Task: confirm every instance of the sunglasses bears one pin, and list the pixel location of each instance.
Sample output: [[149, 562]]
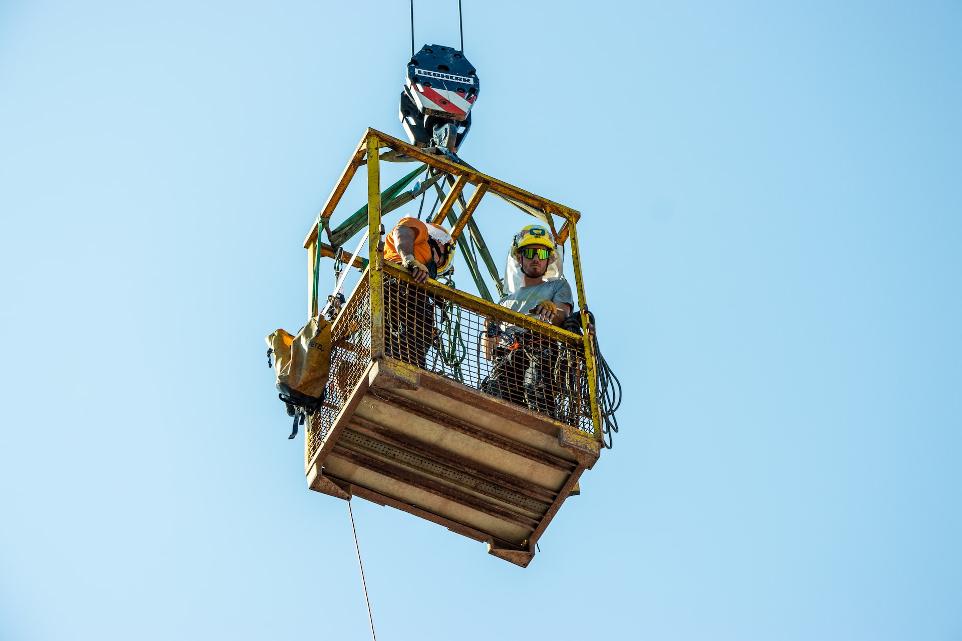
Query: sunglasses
[[541, 252]]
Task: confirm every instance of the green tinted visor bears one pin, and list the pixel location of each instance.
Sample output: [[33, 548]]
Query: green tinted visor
[[541, 252]]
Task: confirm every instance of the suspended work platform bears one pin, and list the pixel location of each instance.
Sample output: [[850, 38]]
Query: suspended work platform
[[407, 425]]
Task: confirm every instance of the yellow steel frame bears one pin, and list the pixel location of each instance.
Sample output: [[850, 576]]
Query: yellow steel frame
[[368, 152]]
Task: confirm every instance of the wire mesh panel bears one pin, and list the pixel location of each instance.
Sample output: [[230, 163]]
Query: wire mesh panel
[[482, 347], [478, 345], [350, 355]]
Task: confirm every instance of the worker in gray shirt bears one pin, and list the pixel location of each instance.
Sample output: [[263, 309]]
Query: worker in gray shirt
[[533, 285]]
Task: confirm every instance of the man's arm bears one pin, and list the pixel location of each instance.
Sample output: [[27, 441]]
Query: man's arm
[[551, 312], [404, 242]]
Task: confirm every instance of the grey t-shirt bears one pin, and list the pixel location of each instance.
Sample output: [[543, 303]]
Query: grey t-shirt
[[524, 299]]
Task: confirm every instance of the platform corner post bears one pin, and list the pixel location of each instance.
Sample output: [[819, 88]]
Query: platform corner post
[[376, 272]]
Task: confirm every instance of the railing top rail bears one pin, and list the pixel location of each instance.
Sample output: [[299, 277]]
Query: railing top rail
[[483, 307]]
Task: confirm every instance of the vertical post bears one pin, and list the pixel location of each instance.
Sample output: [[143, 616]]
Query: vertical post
[[376, 271], [586, 337]]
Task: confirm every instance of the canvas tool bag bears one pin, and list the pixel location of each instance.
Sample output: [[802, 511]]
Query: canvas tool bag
[[301, 366]]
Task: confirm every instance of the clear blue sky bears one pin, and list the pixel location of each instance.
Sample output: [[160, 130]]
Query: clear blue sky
[[772, 234]]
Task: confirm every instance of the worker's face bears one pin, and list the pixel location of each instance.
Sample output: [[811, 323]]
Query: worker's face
[[534, 267]]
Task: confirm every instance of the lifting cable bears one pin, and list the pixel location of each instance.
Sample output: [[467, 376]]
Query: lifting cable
[[460, 26], [370, 616]]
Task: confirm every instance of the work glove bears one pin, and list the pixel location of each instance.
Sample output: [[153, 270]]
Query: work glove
[[418, 270], [546, 310]]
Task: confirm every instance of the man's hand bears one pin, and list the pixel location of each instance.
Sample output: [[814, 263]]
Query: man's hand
[[417, 268], [546, 310]]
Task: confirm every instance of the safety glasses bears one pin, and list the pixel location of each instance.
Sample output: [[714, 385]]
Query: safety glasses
[[542, 253]]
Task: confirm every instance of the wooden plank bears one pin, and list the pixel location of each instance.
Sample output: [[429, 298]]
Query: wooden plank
[[367, 462], [449, 460], [454, 526], [491, 405], [453, 422]]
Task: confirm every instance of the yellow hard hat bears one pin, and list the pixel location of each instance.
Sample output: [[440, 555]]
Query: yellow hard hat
[[533, 235]]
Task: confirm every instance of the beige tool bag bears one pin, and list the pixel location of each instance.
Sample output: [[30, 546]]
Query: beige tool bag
[[301, 365]]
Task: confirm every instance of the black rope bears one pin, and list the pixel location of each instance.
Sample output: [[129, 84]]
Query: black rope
[[423, 194], [460, 24], [607, 385], [433, 207], [421, 206], [608, 388], [412, 28]]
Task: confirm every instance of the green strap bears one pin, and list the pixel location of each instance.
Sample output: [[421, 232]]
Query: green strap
[[358, 220], [317, 270]]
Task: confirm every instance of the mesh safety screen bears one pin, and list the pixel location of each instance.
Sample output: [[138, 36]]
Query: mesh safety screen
[[476, 347], [350, 355]]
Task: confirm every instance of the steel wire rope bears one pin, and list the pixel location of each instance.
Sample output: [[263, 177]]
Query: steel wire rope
[[367, 600]]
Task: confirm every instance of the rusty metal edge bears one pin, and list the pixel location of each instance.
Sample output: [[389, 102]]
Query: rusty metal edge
[[549, 515], [319, 482], [518, 557], [583, 446], [390, 373]]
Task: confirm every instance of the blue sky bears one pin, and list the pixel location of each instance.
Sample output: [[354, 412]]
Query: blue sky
[[771, 229]]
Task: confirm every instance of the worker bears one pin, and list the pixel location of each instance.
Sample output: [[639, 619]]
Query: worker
[[533, 285], [426, 250]]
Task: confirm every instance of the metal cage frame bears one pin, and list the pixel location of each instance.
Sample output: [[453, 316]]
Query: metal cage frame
[[583, 446]]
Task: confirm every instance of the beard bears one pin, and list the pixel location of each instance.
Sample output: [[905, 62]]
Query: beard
[[534, 271]]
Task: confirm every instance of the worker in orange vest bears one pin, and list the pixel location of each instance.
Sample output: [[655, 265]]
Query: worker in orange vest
[[427, 251]]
